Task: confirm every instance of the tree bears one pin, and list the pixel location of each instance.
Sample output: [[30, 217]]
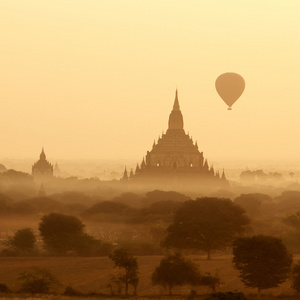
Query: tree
[[293, 220], [209, 280], [60, 232], [263, 261], [38, 280], [3, 287], [23, 240], [123, 259], [175, 270], [254, 204], [296, 277], [206, 224]]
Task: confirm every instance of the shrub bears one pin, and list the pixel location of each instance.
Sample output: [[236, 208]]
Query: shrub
[[70, 291], [226, 296], [4, 288], [39, 281]]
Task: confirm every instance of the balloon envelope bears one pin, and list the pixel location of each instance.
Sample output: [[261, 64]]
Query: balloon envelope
[[230, 87]]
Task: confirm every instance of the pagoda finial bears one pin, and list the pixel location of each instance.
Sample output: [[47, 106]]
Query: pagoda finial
[[43, 155], [223, 176], [125, 175], [143, 164], [175, 118], [205, 166], [176, 102]]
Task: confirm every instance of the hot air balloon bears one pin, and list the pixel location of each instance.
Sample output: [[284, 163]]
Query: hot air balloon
[[230, 87]]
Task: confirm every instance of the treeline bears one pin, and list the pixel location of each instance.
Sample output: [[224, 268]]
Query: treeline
[[154, 211], [139, 208]]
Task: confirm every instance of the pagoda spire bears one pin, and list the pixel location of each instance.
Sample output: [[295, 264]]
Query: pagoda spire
[[143, 164], [223, 176], [43, 155], [125, 175], [205, 166], [176, 102], [175, 118]]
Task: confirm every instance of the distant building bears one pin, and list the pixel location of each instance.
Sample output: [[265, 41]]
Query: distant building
[[175, 160], [56, 171], [42, 170], [42, 192]]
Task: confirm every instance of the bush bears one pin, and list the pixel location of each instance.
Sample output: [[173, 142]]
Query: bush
[[24, 239], [89, 246], [70, 291], [226, 296], [4, 288], [39, 281], [175, 270]]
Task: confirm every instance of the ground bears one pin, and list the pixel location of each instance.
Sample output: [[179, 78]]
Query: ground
[[93, 274]]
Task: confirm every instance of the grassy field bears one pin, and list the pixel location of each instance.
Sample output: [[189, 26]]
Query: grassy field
[[93, 274]]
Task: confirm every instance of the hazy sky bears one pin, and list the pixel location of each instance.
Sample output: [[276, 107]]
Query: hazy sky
[[97, 78]]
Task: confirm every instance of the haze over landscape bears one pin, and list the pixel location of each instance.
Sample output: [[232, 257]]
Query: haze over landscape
[[126, 166]]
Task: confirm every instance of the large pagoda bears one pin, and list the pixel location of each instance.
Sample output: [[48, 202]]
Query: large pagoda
[[175, 159], [42, 169]]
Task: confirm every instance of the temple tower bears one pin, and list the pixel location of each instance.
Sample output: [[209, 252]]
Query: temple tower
[[175, 157], [42, 170]]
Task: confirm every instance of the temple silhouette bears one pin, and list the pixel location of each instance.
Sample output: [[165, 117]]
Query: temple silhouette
[[175, 159], [42, 170]]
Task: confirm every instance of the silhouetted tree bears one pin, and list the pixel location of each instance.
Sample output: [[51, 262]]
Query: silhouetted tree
[[60, 232], [23, 239], [210, 281], [64, 235], [124, 260], [38, 280], [253, 203], [175, 270], [4, 288], [206, 224], [263, 261], [292, 174], [157, 196], [293, 220]]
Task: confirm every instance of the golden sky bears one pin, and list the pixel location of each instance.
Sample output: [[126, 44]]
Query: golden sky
[[97, 78]]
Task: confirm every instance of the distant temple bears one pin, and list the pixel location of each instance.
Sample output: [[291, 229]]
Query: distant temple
[[175, 159], [56, 171], [42, 170]]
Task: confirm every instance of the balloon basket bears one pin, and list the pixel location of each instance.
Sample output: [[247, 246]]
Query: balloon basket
[[229, 108]]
